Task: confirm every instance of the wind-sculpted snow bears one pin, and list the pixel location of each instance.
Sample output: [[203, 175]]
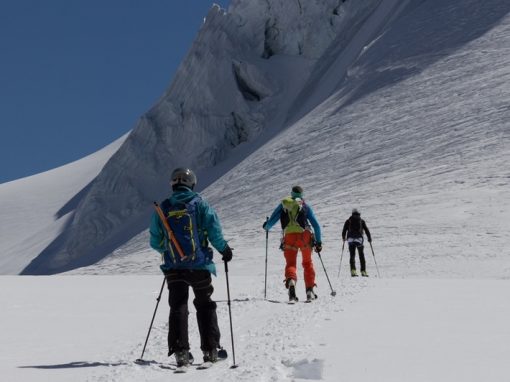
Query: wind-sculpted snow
[[237, 82], [417, 136], [34, 209], [398, 107]]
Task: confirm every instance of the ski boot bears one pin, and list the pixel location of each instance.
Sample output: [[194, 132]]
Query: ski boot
[[364, 273], [291, 286], [310, 294], [354, 273], [182, 358], [211, 355]]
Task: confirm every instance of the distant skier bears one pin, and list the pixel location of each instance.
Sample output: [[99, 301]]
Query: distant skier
[[296, 216], [353, 233], [193, 223]]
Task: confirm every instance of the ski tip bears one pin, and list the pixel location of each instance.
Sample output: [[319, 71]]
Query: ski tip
[[181, 369]]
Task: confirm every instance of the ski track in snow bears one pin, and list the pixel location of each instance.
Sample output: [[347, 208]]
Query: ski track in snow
[[273, 341], [374, 329]]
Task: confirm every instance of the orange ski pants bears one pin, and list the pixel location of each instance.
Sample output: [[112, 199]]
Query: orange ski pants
[[292, 242]]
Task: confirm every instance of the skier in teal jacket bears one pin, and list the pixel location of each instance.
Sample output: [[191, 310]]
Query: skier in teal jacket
[[209, 228], [194, 224]]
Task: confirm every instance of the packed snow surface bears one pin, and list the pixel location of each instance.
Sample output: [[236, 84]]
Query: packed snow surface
[[92, 329]]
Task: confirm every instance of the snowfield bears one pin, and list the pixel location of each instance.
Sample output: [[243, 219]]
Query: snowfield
[[404, 114], [92, 328]]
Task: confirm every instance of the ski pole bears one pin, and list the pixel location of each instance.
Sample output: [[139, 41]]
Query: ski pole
[[375, 261], [140, 360], [333, 293], [265, 274], [230, 316], [341, 256]]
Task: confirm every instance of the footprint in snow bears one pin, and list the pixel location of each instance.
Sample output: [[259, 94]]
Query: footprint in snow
[[305, 369]]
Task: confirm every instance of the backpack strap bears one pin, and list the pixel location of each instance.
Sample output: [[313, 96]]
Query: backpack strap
[[194, 202], [196, 199], [165, 206]]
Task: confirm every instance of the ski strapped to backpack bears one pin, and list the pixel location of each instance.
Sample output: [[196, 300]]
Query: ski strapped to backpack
[[169, 231], [185, 247]]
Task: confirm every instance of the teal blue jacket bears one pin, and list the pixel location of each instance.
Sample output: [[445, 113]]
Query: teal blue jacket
[[209, 228], [275, 216]]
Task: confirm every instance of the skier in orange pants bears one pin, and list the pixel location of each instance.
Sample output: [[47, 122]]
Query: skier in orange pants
[[292, 243], [297, 219]]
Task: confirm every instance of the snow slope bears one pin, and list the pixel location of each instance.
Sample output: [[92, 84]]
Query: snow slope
[[35, 209], [236, 85], [417, 136]]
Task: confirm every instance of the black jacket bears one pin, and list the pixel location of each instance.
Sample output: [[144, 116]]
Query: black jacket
[[354, 227]]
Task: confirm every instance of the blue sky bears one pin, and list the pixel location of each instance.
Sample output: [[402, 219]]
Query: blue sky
[[76, 75]]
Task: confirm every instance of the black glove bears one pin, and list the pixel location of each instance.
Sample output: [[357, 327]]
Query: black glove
[[264, 225], [370, 240], [318, 247], [226, 254]]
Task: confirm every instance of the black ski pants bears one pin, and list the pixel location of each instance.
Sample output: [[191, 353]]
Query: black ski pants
[[179, 281], [352, 251]]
